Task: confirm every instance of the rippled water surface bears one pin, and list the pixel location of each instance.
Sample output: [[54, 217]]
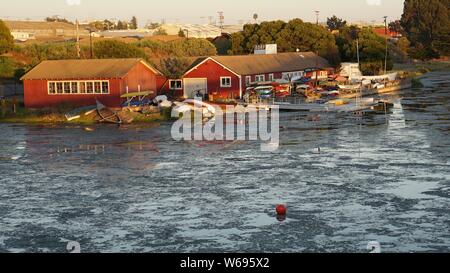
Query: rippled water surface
[[134, 189]]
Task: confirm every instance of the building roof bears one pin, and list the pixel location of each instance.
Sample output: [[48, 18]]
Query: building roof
[[84, 69], [38, 25], [381, 31], [262, 64]]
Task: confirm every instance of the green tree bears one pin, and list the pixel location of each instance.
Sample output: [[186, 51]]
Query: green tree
[[400, 50], [178, 48], [181, 33], [134, 23], [427, 25], [403, 44], [97, 25], [335, 23], [237, 42], [57, 19], [222, 44], [116, 49], [372, 49], [396, 26], [173, 68], [49, 51], [6, 39], [108, 25], [290, 37], [160, 32], [121, 25], [153, 26]]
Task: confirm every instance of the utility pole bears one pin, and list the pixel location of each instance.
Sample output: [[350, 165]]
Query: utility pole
[[90, 42], [386, 34], [221, 21], [78, 40], [317, 52], [357, 50]]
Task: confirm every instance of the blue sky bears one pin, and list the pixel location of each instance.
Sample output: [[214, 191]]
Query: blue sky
[[191, 11]]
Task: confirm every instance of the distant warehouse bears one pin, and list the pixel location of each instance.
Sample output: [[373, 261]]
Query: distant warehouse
[[80, 82], [26, 30]]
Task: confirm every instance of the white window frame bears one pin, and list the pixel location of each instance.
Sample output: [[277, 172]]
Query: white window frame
[[290, 75], [108, 89], [71, 87], [78, 84], [248, 80], [54, 88], [263, 77], [271, 77], [176, 88], [225, 85]]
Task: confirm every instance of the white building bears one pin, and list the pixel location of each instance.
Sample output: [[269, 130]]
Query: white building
[[266, 49], [23, 36]]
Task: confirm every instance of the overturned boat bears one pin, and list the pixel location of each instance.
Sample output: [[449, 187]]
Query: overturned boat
[[107, 114]]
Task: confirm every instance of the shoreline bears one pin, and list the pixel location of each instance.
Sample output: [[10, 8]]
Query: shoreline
[[56, 116]]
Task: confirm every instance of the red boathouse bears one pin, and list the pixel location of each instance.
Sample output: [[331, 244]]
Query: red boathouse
[[80, 82], [227, 77]]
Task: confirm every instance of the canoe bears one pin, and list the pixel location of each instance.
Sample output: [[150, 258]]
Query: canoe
[[107, 115], [76, 113]]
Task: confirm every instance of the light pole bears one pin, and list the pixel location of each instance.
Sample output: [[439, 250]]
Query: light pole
[[90, 42], [187, 33], [386, 34], [317, 52]]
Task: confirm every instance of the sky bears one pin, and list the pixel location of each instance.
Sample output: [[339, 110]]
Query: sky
[[192, 11]]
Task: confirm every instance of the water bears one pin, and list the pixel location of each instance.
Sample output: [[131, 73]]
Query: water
[[133, 189]]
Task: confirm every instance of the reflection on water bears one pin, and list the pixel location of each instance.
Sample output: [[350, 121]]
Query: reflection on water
[[134, 189]]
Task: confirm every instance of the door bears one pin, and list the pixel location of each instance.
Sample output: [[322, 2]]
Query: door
[[194, 85]]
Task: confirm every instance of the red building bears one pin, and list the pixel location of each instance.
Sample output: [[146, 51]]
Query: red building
[[227, 77], [381, 31], [80, 82]]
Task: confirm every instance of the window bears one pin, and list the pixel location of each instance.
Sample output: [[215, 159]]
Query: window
[[59, 87], [290, 75], [225, 81], [74, 87], [78, 87], [105, 87], [52, 88], [248, 80], [98, 87], [67, 88], [89, 87], [260, 78], [82, 88], [271, 78], [176, 84]]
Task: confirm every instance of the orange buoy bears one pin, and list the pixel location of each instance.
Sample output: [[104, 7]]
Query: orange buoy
[[281, 210]]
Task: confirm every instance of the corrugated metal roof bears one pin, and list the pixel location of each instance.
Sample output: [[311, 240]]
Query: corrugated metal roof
[[83, 69], [281, 62]]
